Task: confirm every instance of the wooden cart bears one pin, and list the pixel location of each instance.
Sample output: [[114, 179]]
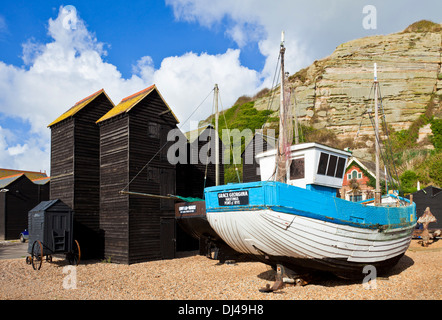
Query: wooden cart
[[50, 227]]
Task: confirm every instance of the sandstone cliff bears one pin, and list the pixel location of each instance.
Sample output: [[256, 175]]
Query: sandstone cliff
[[334, 92]]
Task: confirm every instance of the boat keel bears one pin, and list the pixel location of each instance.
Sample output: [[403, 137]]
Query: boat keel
[[286, 276]]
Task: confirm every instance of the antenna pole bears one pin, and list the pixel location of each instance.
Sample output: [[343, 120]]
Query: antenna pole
[[280, 172], [216, 136]]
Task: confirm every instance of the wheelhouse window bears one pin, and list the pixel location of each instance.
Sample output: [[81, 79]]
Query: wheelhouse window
[[333, 160], [297, 169], [330, 165], [341, 167], [323, 160]]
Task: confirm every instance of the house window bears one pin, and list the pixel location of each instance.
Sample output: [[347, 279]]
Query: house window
[[354, 175], [356, 197]]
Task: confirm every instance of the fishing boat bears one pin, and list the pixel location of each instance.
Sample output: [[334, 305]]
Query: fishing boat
[[293, 217]]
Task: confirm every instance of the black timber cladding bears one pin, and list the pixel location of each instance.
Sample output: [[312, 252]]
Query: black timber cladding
[[18, 197], [259, 143], [128, 141], [431, 197], [199, 173], [75, 165]]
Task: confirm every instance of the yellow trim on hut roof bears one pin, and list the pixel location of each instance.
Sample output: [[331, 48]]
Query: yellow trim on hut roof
[[78, 106], [131, 101]]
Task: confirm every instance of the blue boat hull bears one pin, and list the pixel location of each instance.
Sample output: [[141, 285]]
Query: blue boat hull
[[282, 224]]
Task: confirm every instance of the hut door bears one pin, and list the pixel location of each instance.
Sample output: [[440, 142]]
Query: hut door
[[58, 228], [167, 186], [167, 237]]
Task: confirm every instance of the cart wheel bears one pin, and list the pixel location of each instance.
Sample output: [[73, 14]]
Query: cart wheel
[[75, 255], [37, 255], [28, 260]]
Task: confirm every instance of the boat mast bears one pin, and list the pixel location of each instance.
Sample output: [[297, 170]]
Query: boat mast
[[296, 123], [377, 197], [216, 136], [280, 162]]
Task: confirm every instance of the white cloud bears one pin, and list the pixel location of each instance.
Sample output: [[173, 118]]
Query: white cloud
[[186, 81], [259, 21], [72, 66]]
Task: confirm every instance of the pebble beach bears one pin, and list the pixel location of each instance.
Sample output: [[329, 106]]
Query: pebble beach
[[417, 276]]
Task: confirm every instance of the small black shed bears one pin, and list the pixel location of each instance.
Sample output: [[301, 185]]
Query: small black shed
[[431, 197], [18, 195], [51, 222]]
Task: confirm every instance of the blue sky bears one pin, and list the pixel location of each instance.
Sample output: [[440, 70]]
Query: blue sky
[[183, 46], [129, 30]]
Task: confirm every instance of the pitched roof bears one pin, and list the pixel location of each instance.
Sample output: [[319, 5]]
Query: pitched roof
[[5, 181], [131, 101], [30, 174], [78, 106], [42, 181], [369, 166], [194, 134]]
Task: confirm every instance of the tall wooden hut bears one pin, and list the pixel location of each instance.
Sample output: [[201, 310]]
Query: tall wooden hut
[[199, 170], [132, 158], [18, 195], [75, 166], [259, 143], [195, 174]]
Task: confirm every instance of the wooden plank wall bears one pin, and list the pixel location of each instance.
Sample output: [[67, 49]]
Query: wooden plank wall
[[132, 224], [19, 200], [114, 164], [148, 134], [62, 162], [75, 165], [87, 176]]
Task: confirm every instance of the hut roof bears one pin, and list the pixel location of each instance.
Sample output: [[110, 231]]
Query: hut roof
[[194, 134], [131, 101], [42, 181], [6, 181], [30, 174], [79, 106]]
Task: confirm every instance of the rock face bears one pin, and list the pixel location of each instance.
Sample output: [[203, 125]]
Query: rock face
[[334, 92]]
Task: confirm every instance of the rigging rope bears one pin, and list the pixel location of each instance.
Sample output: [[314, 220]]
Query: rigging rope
[[388, 150], [230, 145], [153, 157]]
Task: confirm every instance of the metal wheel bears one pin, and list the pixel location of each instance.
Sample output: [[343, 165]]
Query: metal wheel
[[74, 256], [37, 255]]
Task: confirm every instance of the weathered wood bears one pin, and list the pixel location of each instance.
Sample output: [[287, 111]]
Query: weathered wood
[[22, 196], [75, 167], [131, 221]]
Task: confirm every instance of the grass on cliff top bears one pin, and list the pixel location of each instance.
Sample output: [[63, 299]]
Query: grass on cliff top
[[423, 26]]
